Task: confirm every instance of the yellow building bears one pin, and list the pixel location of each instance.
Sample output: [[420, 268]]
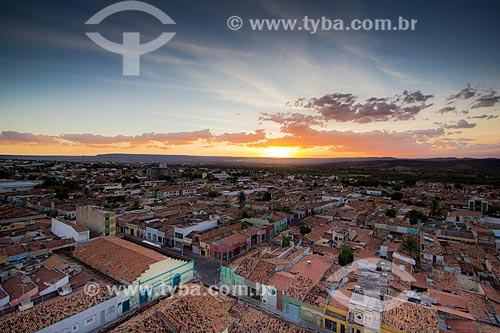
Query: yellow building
[[337, 310], [98, 221]]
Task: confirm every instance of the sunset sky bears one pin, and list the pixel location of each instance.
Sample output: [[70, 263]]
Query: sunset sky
[[433, 92]]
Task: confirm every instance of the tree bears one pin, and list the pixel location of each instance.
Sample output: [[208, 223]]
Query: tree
[[212, 194], [410, 245], [415, 216], [61, 195], [410, 182], [397, 196], [435, 207], [304, 229], [242, 197], [285, 241], [267, 196], [346, 255], [391, 212], [245, 215]]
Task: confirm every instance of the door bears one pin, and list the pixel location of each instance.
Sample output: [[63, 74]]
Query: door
[[103, 317], [177, 281], [125, 306], [143, 297], [293, 312]]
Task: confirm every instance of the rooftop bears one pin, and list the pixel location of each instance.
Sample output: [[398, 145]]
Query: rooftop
[[409, 317], [51, 311], [120, 259]]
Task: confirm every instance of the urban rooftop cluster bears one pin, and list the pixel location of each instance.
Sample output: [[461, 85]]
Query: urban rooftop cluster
[[140, 247]]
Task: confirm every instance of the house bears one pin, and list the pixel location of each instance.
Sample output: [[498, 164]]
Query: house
[[483, 235], [220, 176], [181, 231], [403, 261], [48, 280], [20, 288], [228, 247], [431, 250], [16, 253], [77, 312], [374, 192], [478, 205], [4, 298]]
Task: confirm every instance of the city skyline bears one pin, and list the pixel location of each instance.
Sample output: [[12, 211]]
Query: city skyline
[[432, 92]]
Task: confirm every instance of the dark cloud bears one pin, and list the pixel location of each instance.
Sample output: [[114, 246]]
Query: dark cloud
[[146, 139], [344, 107], [466, 93], [462, 123], [240, 138], [447, 109], [11, 137], [179, 138], [484, 116], [415, 97], [488, 100], [291, 118]]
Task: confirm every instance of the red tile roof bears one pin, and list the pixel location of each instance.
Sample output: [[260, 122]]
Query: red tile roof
[[120, 259]]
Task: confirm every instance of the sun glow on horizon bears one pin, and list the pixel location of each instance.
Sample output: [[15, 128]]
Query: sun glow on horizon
[[279, 152]]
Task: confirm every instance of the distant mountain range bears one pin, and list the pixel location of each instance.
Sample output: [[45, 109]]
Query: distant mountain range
[[178, 159]]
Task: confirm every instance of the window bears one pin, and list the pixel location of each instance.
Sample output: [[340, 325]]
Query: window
[[111, 310], [74, 328], [331, 325], [90, 320]]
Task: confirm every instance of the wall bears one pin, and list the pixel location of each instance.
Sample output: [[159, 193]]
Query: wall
[[79, 319], [311, 314], [64, 230], [64, 281], [4, 301], [94, 219], [158, 274]]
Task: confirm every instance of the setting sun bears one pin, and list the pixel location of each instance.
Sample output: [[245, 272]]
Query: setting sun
[[279, 152]]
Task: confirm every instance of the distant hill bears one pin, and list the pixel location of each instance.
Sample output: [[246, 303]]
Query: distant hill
[[378, 162], [175, 159]]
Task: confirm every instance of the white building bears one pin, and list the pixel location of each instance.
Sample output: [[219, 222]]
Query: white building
[[4, 297], [17, 186], [65, 229], [181, 232], [374, 193]]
